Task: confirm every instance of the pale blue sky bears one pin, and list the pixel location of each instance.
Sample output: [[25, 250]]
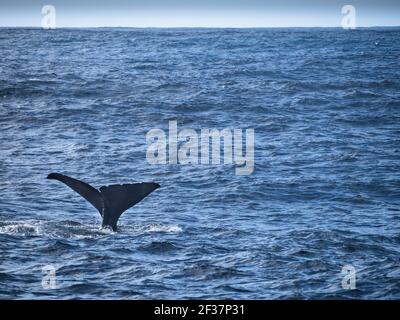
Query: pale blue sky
[[200, 13]]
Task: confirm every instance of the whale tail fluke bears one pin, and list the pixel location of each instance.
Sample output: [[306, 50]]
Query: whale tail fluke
[[85, 190], [120, 197], [111, 201]]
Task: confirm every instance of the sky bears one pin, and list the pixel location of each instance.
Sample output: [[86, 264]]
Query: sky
[[199, 13]]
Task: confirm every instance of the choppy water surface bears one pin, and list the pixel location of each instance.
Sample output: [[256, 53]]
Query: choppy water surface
[[324, 104]]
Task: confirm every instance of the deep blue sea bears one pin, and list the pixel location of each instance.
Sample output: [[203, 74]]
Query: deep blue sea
[[325, 191]]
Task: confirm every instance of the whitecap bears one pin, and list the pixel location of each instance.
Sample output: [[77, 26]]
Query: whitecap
[[150, 228], [164, 228], [27, 228]]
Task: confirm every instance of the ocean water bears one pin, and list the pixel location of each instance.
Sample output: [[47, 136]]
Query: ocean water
[[325, 191]]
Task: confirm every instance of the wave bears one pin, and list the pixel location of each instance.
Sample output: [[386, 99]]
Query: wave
[[71, 229]]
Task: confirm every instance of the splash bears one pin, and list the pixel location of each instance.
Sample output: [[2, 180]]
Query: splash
[[164, 228], [25, 229], [76, 230]]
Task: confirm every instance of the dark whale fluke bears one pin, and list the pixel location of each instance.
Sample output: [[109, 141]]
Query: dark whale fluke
[[111, 201]]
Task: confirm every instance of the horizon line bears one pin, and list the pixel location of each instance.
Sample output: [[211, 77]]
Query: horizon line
[[199, 27]]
